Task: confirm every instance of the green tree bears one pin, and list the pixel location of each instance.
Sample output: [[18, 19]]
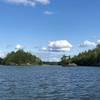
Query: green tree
[[21, 57], [65, 60]]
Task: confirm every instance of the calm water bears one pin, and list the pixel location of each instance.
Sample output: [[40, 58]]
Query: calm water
[[49, 83]]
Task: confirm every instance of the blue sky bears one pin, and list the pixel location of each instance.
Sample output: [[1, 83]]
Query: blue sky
[[44, 24]]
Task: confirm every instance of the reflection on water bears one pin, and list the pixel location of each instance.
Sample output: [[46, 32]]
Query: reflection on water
[[49, 83]]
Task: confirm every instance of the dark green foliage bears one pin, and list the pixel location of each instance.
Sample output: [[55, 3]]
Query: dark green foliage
[[88, 58], [1, 60], [21, 58], [65, 60], [98, 46]]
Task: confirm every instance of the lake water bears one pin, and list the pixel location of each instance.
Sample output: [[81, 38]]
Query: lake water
[[49, 83]]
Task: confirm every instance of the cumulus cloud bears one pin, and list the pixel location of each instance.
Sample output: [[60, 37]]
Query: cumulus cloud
[[58, 46], [98, 41], [3, 54], [18, 46], [87, 43], [48, 13], [29, 2], [45, 2], [44, 49]]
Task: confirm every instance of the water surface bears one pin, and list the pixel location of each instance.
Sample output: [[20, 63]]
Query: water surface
[[49, 83]]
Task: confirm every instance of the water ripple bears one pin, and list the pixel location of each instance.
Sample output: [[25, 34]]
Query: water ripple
[[49, 83]]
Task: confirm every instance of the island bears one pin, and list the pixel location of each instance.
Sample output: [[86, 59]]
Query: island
[[20, 58]]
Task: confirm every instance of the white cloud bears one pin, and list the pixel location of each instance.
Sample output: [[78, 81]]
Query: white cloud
[[3, 54], [59, 46], [54, 59], [87, 43], [44, 2], [98, 41], [18, 46], [29, 2], [44, 49], [48, 13]]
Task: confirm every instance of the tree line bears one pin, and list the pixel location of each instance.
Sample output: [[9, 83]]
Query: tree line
[[87, 58], [20, 57]]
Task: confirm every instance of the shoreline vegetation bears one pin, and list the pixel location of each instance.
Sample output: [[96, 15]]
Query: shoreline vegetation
[[87, 58], [22, 58]]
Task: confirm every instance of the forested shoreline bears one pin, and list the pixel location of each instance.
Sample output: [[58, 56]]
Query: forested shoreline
[[20, 57], [87, 58]]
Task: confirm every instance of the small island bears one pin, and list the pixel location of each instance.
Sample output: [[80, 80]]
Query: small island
[[20, 58]]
